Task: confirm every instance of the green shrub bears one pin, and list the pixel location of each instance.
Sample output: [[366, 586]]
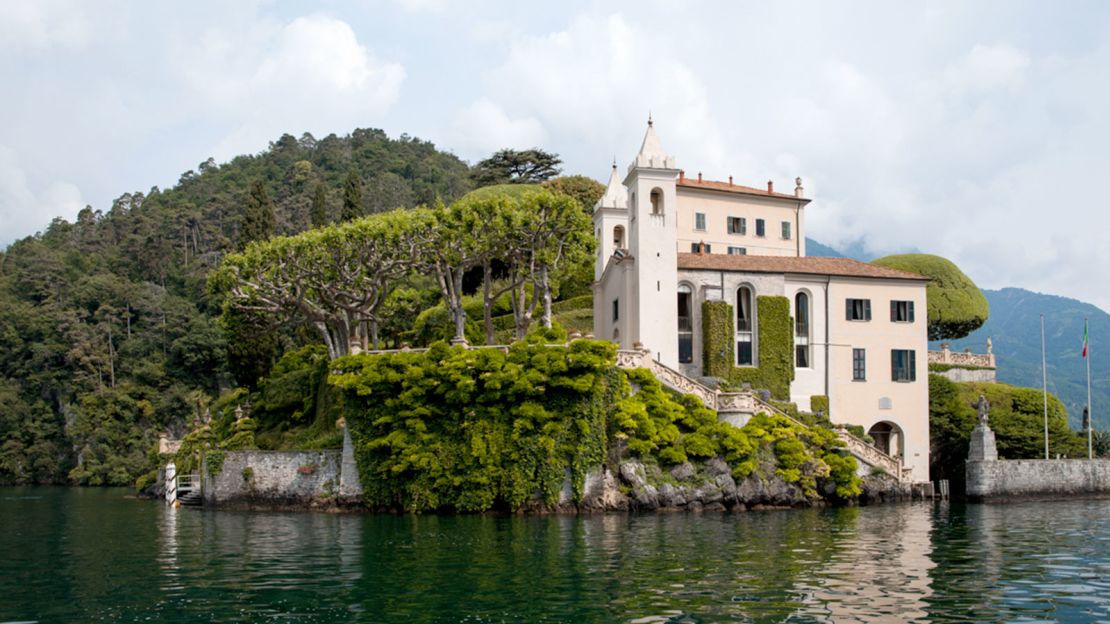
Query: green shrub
[[775, 345]]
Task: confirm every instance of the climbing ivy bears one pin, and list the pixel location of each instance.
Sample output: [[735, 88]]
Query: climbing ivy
[[775, 343], [477, 429], [718, 331]]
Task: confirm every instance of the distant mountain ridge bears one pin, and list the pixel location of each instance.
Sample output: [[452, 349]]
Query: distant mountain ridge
[[1015, 331]]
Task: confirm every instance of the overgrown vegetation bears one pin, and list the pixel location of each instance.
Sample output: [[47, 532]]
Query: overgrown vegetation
[[110, 337], [481, 429], [1016, 417], [775, 343]]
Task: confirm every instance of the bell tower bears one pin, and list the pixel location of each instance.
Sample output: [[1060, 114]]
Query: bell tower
[[652, 243]]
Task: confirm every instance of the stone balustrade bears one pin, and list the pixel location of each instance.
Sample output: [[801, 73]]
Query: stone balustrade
[[869, 454], [964, 358]]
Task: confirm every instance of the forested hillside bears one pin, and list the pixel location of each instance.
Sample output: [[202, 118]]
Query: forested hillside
[[108, 336]]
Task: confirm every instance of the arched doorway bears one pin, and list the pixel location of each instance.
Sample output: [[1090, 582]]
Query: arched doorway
[[888, 438]]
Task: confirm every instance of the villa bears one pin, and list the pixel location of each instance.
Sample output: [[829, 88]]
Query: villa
[[713, 280]]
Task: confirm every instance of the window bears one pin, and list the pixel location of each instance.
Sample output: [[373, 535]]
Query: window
[[700, 247], [859, 310], [786, 230], [901, 311], [903, 365], [737, 251], [737, 225], [616, 309], [801, 330], [699, 220], [685, 324], [656, 202], [760, 228], [745, 354], [859, 365]]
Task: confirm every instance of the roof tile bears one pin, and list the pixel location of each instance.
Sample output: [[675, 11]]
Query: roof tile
[[810, 265]]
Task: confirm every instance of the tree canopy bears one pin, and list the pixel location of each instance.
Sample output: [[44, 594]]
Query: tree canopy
[[956, 305], [510, 166]]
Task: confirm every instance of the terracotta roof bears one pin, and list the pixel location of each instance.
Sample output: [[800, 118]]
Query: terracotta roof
[[714, 185], [811, 265]]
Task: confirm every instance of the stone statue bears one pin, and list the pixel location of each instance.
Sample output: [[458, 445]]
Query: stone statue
[[984, 410], [990, 346]]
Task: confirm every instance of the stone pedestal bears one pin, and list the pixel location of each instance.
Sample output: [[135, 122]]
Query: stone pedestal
[[982, 447]]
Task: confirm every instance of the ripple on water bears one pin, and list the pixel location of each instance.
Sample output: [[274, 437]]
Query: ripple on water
[[95, 556]]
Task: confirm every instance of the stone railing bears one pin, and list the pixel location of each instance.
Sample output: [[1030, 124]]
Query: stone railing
[[736, 402], [964, 358], [668, 376], [869, 454]]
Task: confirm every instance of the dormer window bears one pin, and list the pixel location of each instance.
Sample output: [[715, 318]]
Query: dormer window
[[656, 202]]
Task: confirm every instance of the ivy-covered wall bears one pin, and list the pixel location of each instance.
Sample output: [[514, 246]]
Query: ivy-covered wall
[[775, 343], [718, 344], [479, 429]]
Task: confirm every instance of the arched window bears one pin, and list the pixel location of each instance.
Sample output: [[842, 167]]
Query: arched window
[[801, 331], [745, 327], [618, 237], [685, 324], [656, 201]]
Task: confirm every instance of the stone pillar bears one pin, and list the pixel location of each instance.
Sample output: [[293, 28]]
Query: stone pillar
[[350, 487], [982, 447]]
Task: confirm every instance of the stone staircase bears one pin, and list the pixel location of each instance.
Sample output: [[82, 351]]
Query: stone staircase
[[737, 408]]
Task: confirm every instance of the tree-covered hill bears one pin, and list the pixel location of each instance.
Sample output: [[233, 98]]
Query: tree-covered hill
[[107, 334]]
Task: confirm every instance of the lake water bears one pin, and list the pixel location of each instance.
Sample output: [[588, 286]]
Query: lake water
[[97, 555]]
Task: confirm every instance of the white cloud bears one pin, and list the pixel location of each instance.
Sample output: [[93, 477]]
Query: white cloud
[[484, 127], [44, 23], [591, 80], [988, 67], [311, 73], [23, 211]]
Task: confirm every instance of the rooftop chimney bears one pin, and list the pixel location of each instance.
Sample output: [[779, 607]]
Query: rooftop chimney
[[681, 176], [699, 176], [770, 186], [798, 190], [730, 180]]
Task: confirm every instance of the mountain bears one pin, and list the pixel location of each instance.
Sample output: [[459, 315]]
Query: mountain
[[814, 248], [1014, 328]]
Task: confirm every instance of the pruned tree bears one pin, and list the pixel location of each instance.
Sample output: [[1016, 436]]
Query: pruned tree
[[561, 237], [956, 305], [510, 166], [334, 278], [450, 250]]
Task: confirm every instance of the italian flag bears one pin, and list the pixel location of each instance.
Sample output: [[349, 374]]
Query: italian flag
[[1084, 338]]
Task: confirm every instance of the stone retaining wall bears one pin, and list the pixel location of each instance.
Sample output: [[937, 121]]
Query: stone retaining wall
[[274, 479], [1037, 478]]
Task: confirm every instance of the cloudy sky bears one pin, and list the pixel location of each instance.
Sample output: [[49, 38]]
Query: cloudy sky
[[978, 131]]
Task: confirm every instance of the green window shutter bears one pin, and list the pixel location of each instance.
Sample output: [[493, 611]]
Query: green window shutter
[[848, 310], [893, 311], [913, 365], [894, 365], [911, 311], [867, 309]]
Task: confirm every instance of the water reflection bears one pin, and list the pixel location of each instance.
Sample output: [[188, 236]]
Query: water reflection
[[94, 555]]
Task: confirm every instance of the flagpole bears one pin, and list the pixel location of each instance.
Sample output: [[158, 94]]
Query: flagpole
[[1044, 380], [1090, 412]]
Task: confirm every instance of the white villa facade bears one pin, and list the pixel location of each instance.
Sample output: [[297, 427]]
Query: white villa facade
[[668, 243]]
